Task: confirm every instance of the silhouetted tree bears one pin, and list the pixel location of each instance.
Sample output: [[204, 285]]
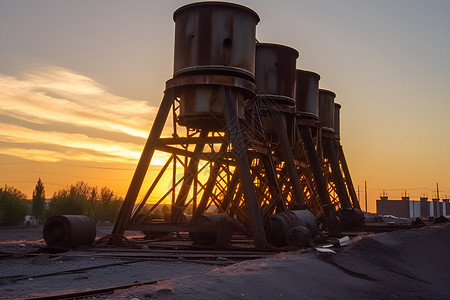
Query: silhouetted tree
[[38, 206], [81, 199], [13, 206]]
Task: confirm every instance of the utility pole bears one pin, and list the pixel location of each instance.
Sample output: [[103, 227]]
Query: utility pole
[[359, 199], [365, 192]]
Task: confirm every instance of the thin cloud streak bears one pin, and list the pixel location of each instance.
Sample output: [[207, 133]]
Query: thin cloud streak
[[17, 134], [54, 95], [55, 156], [58, 94]]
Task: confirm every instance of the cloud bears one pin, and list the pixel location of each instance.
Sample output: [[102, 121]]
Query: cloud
[[56, 94], [59, 98]]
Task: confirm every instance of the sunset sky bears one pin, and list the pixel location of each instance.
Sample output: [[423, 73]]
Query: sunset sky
[[81, 81]]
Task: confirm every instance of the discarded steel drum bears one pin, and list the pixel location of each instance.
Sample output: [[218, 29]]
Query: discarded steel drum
[[214, 46], [307, 95], [299, 236], [277, 229], [326, 110], [275, 84], [337, 120], [350, 218], [69, 231], [213, 229]]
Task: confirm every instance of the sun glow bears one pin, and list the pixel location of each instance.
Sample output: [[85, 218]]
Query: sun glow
[[53, 116]]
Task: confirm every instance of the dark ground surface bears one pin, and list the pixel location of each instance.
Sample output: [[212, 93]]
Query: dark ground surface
[[405, 264]]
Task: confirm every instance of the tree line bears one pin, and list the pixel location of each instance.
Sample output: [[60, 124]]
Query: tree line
[[77, 199]]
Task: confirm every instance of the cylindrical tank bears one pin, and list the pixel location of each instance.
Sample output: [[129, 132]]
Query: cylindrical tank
[[307, 94], [69, 231], [299, 236], [326, 110], [213, 229], [275, 71], [201, 106], [215, 37], [350, 218], [275, 84], [337, 120], [214, 47], [278, 228]]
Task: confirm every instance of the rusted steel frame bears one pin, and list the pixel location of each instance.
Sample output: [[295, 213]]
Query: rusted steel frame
[[261, 188], [207, 192], [310, 192], [269, 166], [332, 191], [162, 227], [288, 159], [348, 178], [196, 182], [273, 183], [225, 174], [266, 199], [182, 152], [193, 200], [324, 197], [220, 184], [243, 167], [257, 133], [283, 178], [150, 190], [190, 140], [190, 171], [235, 209], [164, 196], [211, 79], [176, 106], [341, 189], [141, 169], [228, 198]]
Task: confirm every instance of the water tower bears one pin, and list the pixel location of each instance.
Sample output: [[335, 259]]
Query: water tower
[[339, 183], [275, 83], [309, 147], [208, 150]]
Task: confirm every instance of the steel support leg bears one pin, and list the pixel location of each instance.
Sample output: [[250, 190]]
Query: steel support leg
[[348, 178], [231, 188], [212, 179], [191, 171], [274, 186], [243, 168], [313, 160], [330, 153], [141, 169], [289, 161]]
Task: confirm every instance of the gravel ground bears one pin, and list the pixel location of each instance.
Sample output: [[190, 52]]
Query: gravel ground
[[407, 264]]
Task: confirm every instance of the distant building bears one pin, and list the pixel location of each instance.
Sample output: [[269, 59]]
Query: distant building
[[406, 208]]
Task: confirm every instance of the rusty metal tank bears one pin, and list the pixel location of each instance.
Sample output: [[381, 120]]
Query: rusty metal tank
[[279, 227], [215, 37], [275, 84], [337, 120], [307, 95], [275, 71], [69, 231], [326, 110], [214, 47]]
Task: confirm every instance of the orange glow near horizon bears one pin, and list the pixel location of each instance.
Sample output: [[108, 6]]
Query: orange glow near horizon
[[78, 99]]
